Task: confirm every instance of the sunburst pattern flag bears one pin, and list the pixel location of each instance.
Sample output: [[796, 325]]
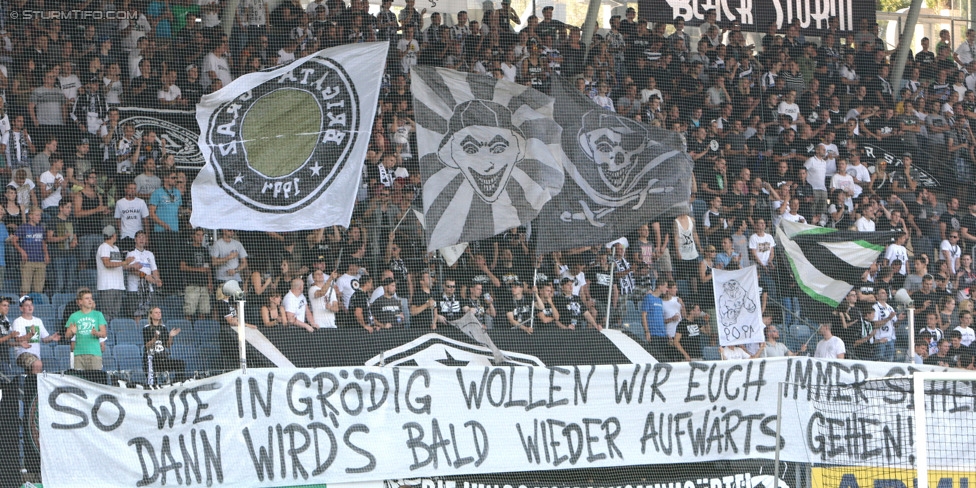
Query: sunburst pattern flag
[[490, 154]]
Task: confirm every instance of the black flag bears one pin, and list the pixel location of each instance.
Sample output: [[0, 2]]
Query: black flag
[[619, 174]]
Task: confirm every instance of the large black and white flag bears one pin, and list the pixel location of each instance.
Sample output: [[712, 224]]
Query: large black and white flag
[[619, 174], [490, 154], [284, 148]]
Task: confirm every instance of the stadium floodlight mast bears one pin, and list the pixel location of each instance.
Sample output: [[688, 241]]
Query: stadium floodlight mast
[[233, 290], [904, 301]]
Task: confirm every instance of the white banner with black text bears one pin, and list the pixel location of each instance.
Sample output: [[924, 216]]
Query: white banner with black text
[[273, 427]]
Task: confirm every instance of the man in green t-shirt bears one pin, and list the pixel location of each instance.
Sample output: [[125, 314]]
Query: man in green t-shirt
[[87, 325]]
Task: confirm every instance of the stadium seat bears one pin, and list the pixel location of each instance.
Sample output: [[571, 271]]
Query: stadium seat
[[172, 307], [40, 299], [109, 364], [798, 335], [47, 357], [128, 335], [62, 351], [117, 324], [188, 354], [48, 314], [632, 318], [405, 306], [209, 357], [128, 357], [684, 288], [88, 278], [182, 324], [61, 299], [205, 331]]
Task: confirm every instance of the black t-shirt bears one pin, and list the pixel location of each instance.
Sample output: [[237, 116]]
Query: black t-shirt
[[387, 309], [426, 317], [570, 310], [856, 330], [600, 282], [475, 276], [360, 300], [159, 334], [196, 257], [449, 307], [968, 222], [546, 312], [508, 275], [521, 308], [691, 338]]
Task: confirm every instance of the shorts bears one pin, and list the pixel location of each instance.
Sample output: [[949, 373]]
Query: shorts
[[663, 263], [196, 301], [686, 269], [88, 362], [26, 359]]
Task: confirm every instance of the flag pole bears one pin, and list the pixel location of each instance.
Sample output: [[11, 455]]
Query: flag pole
[[405, 212], [613, 276], [535, 274]]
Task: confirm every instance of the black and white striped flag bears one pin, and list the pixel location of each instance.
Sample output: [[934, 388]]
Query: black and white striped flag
[[827, 263], [490, 154]]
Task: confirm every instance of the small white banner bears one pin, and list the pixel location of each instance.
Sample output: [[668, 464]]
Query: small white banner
[[738, 306]]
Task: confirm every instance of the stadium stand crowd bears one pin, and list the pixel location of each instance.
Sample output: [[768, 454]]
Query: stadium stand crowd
[[777, 131]]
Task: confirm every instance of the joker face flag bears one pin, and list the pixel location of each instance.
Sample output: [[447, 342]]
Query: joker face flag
[[490, 155]]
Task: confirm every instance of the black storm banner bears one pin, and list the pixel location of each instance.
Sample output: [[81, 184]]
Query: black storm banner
[[756, 15], [284, 148]]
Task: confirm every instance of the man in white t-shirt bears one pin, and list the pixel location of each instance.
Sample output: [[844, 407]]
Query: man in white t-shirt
[[845, 182], [865, 223], [323, 299], [831, 347], [817, 176], [408, 49], [896, 251], [761, 247], [31, 333], [297, 312], [215, 66], [965, 328], [52, 185], [788, 106], [229, 256], [131, 215], [110, 278], [143, 277], [859, 172]]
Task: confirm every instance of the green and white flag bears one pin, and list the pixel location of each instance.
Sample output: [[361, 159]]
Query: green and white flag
[[284, 148], [827, 263]]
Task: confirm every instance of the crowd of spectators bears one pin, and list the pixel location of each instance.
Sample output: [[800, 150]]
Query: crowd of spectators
[[776, 131]]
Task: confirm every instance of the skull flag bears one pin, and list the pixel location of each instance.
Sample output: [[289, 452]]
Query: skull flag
[[490, 154], [619, 174]]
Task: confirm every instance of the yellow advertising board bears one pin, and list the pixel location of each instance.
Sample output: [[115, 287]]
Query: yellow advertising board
[[875, 477]]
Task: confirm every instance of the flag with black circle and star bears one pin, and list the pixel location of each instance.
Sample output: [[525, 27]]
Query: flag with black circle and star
[[284, 147]]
